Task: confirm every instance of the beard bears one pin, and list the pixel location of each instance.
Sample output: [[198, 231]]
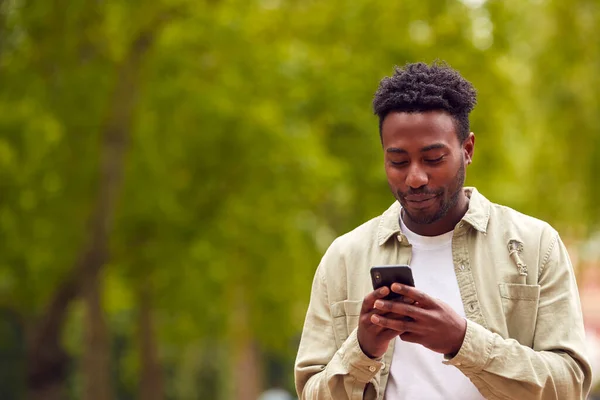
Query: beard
[[448, 197]]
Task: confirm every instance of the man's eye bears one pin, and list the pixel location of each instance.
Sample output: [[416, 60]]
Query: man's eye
[[434, 160], [399, 163]]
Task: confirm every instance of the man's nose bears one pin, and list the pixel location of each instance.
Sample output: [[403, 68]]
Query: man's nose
[[416, 177]]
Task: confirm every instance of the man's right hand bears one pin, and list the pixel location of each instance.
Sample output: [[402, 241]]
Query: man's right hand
[[374, 339]]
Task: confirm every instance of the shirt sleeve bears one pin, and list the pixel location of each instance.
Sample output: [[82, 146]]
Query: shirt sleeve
[[322, 370], [556, 366]]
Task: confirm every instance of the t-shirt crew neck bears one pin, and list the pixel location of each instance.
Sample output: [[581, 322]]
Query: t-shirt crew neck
[[426, 242]]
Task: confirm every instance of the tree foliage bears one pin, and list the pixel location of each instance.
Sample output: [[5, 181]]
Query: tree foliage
[[251, 145]]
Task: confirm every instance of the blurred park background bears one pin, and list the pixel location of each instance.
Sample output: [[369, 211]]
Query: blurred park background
[[171, 171]]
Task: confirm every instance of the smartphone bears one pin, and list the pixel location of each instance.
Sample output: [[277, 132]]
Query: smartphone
[[385, 275]]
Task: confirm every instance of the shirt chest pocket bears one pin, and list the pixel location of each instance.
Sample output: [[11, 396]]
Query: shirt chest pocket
[[520, 304], [345, 318]]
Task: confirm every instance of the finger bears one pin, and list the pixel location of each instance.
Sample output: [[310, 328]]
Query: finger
[[376, 330], [387, 334], [398, 325], [366, 320], [398, 308], [382, 312], [369, 299], [410, 337], [418, 296], [386, 314], [403, 299]]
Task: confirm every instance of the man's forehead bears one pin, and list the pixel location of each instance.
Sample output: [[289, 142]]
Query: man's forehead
[[421, 129], [434, 118]]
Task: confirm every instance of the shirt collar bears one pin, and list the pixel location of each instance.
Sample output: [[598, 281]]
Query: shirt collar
[[478, 215]]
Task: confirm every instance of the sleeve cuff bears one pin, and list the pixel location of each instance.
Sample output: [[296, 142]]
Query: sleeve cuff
[[358, 364], [476, 348]]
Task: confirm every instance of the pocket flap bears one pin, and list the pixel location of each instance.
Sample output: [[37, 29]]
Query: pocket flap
[[518, 291], [346, 308]]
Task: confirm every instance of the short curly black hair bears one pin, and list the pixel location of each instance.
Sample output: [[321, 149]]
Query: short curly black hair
[[419, 87]]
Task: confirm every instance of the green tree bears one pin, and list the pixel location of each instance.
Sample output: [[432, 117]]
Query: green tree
[[171, 171]]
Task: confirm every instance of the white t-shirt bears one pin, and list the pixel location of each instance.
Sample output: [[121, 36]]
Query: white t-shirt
[[418, 373]]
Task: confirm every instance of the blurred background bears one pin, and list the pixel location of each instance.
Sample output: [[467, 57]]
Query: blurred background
[[171, 172]]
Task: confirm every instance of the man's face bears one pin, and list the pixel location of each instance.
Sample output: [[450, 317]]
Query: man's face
[[425, 163]]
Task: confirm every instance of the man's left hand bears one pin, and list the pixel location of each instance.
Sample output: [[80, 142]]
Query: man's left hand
[[435, 324]]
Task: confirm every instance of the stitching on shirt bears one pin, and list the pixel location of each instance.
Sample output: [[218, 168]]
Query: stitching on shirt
[[471, 282], [488, 213], [488, 353], [547, 255], [480, 223], [380, 229], [385, 232], [324, 283], [517, 298]]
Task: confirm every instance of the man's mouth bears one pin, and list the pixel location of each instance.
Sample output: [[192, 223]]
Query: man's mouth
[[419, 198]]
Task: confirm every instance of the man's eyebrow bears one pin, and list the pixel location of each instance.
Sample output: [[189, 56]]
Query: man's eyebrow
[[396, 150], [434, 146]]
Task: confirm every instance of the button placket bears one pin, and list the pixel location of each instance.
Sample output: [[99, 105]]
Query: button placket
[[464, 275]]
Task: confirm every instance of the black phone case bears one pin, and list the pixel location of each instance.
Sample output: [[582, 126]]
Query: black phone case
[[385, 275]]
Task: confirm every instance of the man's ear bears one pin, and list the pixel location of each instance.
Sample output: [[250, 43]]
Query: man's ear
[[468, 148]]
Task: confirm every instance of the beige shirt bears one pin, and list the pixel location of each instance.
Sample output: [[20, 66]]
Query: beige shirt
[[525, 336]]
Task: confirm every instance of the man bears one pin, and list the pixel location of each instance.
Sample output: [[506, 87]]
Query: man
[[495, 309]]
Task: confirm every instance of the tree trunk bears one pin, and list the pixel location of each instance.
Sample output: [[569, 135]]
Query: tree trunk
[[46, 358], [247, 371], [96, 356], [246, 361], [151, 380]]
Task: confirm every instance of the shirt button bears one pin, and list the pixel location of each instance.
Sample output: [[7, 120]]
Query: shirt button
[[382, 367], [372, 368], [462, 267]]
